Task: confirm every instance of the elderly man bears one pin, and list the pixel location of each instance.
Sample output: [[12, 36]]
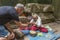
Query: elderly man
[[7, 14], [36, 22]]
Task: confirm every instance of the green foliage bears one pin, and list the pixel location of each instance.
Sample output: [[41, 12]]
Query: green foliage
[[14, 2], [8, 2]]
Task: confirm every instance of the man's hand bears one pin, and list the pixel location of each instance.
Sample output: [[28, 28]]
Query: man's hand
[[11, 36], [18, 23], [2, 38]]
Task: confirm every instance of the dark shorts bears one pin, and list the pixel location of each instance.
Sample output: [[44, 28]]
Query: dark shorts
[[3, 31]]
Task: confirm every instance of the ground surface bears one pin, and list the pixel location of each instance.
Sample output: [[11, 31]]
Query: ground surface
[[55, 27]]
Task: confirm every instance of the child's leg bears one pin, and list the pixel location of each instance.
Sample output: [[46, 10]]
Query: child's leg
[[42, 29], [34, 28]]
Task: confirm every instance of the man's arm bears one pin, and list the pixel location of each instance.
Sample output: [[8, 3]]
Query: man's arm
[[14, 16], [12, 35], [17, 23], [8, 27]]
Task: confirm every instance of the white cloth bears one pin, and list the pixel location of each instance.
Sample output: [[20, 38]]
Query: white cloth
[[38, 22]]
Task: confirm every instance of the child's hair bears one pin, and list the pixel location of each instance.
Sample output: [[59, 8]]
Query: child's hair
[[34, 15]]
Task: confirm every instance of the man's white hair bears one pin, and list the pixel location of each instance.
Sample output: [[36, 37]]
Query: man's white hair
[[19, 5]]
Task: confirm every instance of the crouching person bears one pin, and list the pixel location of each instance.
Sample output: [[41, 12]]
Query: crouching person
[[18, 33], [7, 14]]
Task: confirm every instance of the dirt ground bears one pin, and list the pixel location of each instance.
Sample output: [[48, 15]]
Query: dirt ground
[[55, 26]]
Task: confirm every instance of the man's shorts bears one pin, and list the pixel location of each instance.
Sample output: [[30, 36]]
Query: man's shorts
[[3, 31]]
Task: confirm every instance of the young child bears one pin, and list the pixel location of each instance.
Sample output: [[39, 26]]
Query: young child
[[36, 21]]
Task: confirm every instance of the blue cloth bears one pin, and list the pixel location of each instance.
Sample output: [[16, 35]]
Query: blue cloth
[[52, 37], [3, 31], [26, 32], [8, 13]]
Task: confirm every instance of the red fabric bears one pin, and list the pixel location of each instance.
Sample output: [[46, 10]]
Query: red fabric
[[33, 28], [23, 28], [42, 29], [26, 28]]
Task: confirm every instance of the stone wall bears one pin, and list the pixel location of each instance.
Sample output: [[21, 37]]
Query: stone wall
[[56, 4], [45, 11]]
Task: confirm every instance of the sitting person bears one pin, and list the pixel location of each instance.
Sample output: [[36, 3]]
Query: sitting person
[[36, 22], [24, 19], [24, 23], [28, 15]]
